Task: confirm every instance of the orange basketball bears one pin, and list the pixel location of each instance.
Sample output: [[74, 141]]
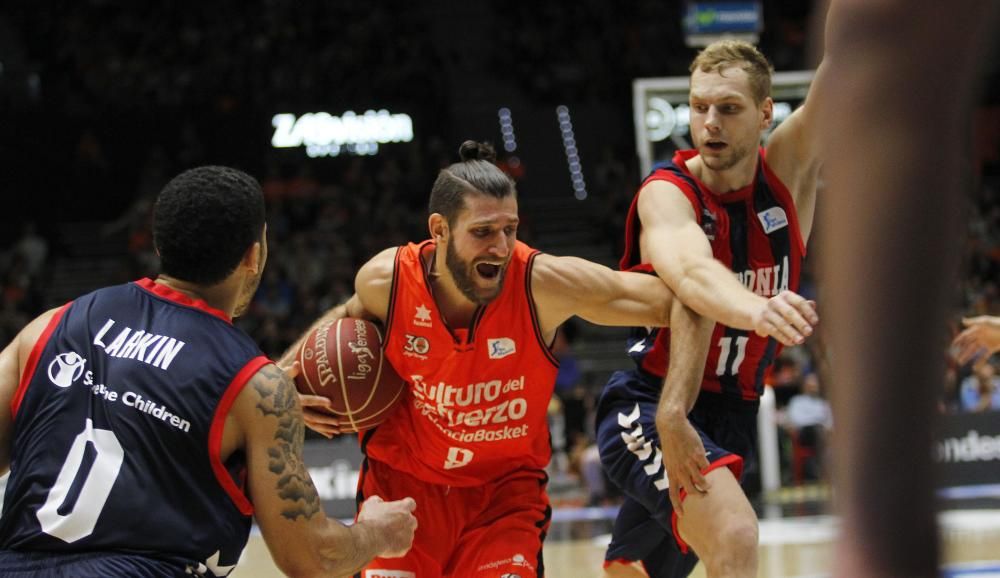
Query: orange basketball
[[343, 362]]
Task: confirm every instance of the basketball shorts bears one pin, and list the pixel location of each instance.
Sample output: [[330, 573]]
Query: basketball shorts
[[645, 528], [490, 531], [86, 565]]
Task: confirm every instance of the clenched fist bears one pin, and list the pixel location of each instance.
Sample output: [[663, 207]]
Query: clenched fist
[[394, 522]]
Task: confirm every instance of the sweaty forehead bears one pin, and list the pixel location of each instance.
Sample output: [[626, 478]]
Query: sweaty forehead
[[487, 209], [731, 82]]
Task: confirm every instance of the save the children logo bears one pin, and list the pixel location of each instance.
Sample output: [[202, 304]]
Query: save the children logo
[[66, 368]]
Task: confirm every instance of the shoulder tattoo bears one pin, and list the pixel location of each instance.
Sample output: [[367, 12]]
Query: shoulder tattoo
[[295, 487]]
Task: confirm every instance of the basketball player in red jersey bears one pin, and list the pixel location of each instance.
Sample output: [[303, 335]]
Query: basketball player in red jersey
[[469, 317], [725, 227]]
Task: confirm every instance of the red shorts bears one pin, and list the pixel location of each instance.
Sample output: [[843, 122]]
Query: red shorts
[[486, 531]]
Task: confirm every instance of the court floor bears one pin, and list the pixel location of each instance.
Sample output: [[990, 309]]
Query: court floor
[[791, 547]]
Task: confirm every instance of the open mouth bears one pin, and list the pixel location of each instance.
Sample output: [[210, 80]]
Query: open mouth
[[716, 145], [488, 270]]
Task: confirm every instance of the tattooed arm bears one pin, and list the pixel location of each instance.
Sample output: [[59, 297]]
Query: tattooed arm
[[266, 422]]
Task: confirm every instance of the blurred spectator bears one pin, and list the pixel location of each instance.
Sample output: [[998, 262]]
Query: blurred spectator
[[585, 461], [575, 399], [32, 248], [808, 420], [562, 348], [981, 390], [786, 378], [950, 402], [809, 409]]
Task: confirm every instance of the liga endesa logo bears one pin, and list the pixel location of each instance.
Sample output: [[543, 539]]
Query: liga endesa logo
[[972, 447]]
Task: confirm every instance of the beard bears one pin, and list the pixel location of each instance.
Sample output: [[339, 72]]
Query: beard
[[732, 156], [247, 292], [462, 272]]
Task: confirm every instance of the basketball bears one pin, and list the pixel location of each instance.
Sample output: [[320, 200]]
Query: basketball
[[343, 362]]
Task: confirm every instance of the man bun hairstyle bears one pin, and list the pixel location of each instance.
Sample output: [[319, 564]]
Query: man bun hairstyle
[[204, 220], [726, 53], [472, 150], [476, 173]]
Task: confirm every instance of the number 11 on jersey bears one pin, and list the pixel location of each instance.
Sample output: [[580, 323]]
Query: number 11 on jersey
[[725, 344]]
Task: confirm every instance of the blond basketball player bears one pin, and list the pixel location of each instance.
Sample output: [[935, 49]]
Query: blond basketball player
[[725, 226]]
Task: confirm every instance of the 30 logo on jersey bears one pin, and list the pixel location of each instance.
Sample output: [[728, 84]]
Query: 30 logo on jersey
[[66, 368], [416, 346]]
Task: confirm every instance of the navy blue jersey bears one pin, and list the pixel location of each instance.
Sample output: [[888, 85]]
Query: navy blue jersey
[[118, 423], [755, 232]]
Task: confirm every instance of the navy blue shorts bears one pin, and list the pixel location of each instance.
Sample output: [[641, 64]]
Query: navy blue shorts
[[87, 565], [644, 529]]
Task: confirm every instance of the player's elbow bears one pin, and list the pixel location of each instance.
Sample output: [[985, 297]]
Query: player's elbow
[[315, 566], [307, 559], [690, 287], [298, 568]]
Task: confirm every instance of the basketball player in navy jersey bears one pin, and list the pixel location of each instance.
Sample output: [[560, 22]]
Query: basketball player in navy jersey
[[142, 430], [725, 226]]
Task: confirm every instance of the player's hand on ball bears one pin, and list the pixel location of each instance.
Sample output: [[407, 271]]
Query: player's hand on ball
[[787, 317], [393, 521], [346, 383], [292, 368], [316, 412]]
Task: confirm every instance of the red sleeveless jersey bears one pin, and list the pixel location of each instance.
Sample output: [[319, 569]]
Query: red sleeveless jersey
[[755, 232], [476, 405]]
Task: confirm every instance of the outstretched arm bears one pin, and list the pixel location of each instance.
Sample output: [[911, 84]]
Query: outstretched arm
[[681, 254], [303, 541], [683, 451], [793, 151], [566, 286]]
